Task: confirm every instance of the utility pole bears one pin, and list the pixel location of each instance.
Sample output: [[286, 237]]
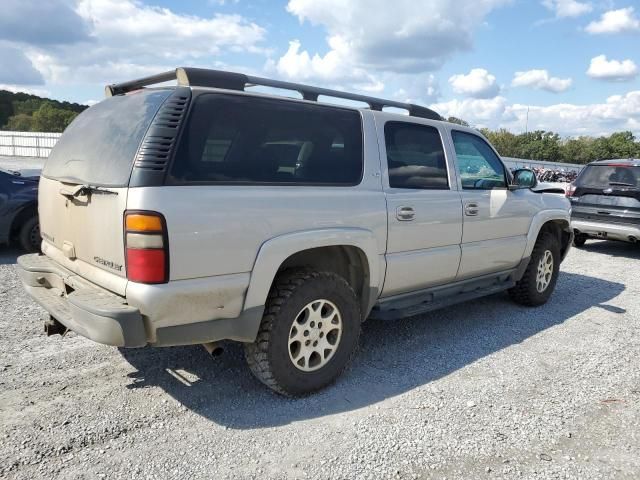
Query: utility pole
[[526, 125]]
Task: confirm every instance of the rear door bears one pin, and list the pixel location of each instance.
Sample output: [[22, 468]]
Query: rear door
[[424, 212], [608, 193], [84, 185]]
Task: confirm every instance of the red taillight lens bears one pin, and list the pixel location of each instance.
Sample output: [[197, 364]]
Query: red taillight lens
[[147, 249], [571, 188], [145, 265]]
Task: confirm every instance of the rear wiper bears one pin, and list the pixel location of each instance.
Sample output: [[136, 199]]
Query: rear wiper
[[622, 184], [85, 190]]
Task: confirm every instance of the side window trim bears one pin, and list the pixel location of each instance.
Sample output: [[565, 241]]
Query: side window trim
[[505, 171], [452, 176]]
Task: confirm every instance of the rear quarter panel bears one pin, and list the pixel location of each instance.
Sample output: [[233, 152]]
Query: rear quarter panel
[[218, 230]]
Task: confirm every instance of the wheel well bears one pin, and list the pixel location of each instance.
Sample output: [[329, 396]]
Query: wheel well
[[562, 230], [23, 215], [345, 260]]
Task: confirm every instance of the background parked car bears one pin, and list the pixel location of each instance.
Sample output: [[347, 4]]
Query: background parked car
[[19, 208], [605, 199]]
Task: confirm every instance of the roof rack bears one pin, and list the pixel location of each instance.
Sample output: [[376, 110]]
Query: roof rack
[[201, 77]]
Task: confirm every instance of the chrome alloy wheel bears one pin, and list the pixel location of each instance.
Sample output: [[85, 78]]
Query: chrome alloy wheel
[[545, 271], [315, 335]]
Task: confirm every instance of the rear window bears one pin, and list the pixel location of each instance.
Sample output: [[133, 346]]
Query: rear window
[[100, 145], [603, 176], [248, 140]]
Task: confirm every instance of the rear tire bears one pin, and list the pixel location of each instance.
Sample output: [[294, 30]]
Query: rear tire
[[539, 279], [29, 235], [308, 335], [579, 240]]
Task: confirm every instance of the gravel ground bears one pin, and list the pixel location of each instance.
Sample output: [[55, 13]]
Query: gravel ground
[[482, 390]]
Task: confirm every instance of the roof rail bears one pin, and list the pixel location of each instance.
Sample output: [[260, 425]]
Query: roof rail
[[201, 77]]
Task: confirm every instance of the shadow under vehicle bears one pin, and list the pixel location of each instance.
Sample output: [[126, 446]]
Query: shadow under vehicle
[[394, 357]]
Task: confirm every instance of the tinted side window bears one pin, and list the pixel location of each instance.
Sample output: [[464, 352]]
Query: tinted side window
[[236, 139], [480, 168], [415, 156]]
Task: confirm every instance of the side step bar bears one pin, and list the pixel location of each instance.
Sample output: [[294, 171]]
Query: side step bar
[[417, 303]]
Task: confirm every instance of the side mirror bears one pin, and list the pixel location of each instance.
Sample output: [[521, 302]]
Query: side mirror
[[523, 178]]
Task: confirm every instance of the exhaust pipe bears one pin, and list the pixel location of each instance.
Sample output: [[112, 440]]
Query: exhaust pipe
[[54, 327], [632, 239], [213, 348]]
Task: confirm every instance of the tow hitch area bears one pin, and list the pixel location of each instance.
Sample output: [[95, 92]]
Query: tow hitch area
[[54, 327]]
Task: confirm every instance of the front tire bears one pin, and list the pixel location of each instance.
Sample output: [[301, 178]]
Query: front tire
[[308, 335], [539, 279]]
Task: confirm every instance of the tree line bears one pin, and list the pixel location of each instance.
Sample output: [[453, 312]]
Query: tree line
[[551, 147], [23, 112]]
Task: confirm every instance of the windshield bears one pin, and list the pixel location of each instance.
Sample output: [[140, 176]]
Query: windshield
[[603, 176], [100, 145]]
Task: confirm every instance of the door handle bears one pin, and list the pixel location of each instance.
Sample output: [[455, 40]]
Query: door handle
[[471, 209], [405, 214]]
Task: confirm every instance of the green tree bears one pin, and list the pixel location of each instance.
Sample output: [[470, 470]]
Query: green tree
[[540, 145], [457, 121], [20, 123], [48, 118], [27, 106], [578, 150], [504, 141], [623, 145]]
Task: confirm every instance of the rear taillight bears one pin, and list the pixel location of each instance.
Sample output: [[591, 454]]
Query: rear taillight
[[571, 189], [146, 246]]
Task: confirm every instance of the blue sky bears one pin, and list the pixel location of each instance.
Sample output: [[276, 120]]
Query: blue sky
[[573, 64]]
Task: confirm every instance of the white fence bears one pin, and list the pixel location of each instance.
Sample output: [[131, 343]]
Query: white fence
[[27, 144]]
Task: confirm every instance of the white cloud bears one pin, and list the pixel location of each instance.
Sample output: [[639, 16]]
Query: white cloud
[[149, 29], [479, 112], [619, 112], [417, 89], [478, 83], [615, 21], [612, 70], [127, 39], [407, 36], [20, 88], [334, 67], [16, 68], [541, 80], [53, 22], [567, 8]]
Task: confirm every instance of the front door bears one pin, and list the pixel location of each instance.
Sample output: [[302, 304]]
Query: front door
[[496, 220], [424, 212]]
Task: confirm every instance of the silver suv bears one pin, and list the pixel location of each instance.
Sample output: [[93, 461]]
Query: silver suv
[[205, 212]]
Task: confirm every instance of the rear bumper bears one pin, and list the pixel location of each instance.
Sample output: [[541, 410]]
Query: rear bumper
[[178, 313], [611, 231], [80, 306]]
